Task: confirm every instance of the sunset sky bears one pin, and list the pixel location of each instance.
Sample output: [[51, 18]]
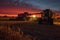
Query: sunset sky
[[31, 6]]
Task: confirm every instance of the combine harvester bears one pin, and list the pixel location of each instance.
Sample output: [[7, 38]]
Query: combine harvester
[[46, 17]]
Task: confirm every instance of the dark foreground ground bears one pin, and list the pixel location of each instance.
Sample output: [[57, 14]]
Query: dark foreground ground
[[16, 30]]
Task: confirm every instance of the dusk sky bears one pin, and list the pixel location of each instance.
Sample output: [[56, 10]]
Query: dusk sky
[[28, 5]]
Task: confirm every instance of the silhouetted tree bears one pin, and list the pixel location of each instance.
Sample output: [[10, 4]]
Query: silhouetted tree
[[25, 15], [20, 17]]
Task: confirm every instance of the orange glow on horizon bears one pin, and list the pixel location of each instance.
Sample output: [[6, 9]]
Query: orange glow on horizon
[[14, 11], [8, 15]]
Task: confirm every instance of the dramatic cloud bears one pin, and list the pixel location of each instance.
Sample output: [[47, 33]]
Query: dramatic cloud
[[28, 5], [17, 6]]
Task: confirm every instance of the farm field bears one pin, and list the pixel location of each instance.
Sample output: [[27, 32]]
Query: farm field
[[19, 30]]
